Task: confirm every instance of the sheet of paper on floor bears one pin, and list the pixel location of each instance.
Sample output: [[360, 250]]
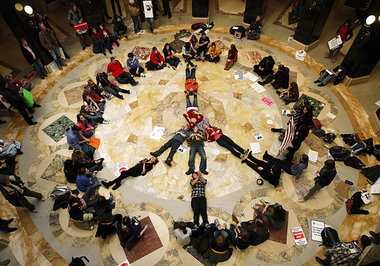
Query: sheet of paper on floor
[[313, 156], [299, 236], [239, 74], [267, 101], [258, 136], [157, 133], [316, 229], [252, 77], [285, 112], [182, 148], [257, 87], [255, 147], [122, 166], [375, 188], [330, 115]]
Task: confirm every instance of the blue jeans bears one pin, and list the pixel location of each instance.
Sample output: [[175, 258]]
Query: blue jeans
[[174, 144], [86, 196], [12, 149], [202, 153], [39, 67], [188, 103], [56, 56], [230, 145], [149, 21], [136, 24], [326, 77]]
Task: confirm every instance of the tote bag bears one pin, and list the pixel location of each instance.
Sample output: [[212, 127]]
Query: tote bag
[[28, 97]]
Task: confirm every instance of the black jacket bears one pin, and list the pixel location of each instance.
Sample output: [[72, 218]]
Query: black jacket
[[267, 63], [28, 56]]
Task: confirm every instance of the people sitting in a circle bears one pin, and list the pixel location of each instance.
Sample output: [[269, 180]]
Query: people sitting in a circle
[[106, 219], [80, 159], [278, 80], [213, 53], [291, 94], [182, 233], [265, 67], [188, 54], [119, 28], [194, 44], [132, 231], [99, 45], [231, 57], [275, 214], [170, 58], [156, 60], [116, 68], [86, 179], [134, 67], [81, 208], [141, 168], [204, 44], [109, 86]]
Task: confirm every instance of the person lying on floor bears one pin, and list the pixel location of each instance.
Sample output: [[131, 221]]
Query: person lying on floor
[[141, 168], [179, 137], [294, 169], [196, 143], [8, 166], [274, 212], [192, 116], [10, 148], [266, 170], [215, 134], [110, 87], [191, 84]]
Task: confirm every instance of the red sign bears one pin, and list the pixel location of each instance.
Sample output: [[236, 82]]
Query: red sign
[[81, 28]]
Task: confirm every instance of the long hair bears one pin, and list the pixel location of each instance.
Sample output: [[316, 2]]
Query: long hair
[[233, 49], [182, 227], [279, 213], [83, 110], [102, 203]]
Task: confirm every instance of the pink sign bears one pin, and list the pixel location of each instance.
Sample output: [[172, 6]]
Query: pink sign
[[267, 101]]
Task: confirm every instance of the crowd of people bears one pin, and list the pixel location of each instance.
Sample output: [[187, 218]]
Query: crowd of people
[[211, 240]]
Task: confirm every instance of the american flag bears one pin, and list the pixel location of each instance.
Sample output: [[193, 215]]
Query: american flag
[[289, 135]]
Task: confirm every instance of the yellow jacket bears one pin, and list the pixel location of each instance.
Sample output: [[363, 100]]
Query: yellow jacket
[[214, 52]]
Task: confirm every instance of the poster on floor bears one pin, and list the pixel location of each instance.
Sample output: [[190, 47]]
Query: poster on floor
[[299, 236]]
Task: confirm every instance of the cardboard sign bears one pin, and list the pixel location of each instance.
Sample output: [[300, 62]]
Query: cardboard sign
[[95, 142], [81, 28]]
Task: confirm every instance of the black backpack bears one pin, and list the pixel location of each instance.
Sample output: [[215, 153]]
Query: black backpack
[[354, 162], [339, 153], [329, 237], [78, 261], [70, 171], [372, 173]]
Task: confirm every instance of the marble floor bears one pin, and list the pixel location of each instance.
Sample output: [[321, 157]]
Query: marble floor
[[233, 105]]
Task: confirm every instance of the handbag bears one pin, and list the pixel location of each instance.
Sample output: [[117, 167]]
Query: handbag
[[28, 97]]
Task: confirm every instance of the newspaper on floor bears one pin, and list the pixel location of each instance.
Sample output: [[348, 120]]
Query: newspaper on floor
[[239, 74], [157, 133], [252, 77], [313, 156], [255, 147], [331, 115], [258, 136]]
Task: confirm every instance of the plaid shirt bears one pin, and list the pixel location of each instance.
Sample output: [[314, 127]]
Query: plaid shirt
[[344, 253], [198, 188]]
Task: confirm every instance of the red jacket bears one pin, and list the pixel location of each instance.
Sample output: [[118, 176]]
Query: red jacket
[[211, 132], [84, 127], [115, 69], [97, 36], [191, 84], [17, 84], [229, 56], [94, 96], [193, 114], [107, 31], [156, 58]]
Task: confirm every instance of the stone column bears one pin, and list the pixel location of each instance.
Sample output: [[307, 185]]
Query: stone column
[[200, 9], [253, 8], [313, 17], [364, 54]]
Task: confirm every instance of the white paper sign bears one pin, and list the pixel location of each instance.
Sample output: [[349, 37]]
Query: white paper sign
[[148, 9], [299, 236], [313, 156], [316, 229], [182, 148], [335, 42], [251, 76], [285, 112], [375, 188], [157, 133], [258, 136], [330, 115], [257, 87], [122, 166], [239, 75], [255, 147]]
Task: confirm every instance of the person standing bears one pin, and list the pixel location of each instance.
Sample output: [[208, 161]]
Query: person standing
[[118, 7], [134, 11], [196, 143], [324, 177], [15, 191], [75, 17], [165, 4], [198, 198], [50, 43], [148, 13], [176, 141], [117, 71], [32, 58]]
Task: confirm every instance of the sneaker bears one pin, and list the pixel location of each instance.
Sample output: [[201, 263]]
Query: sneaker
[[316, 81], [135, 84], [320, 85], [142, 75], [105, 184], [241, 156], [34, 211], [116, 186], [168, 162], [42, 199], [189, 172], [196, 227], [203, 171]]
